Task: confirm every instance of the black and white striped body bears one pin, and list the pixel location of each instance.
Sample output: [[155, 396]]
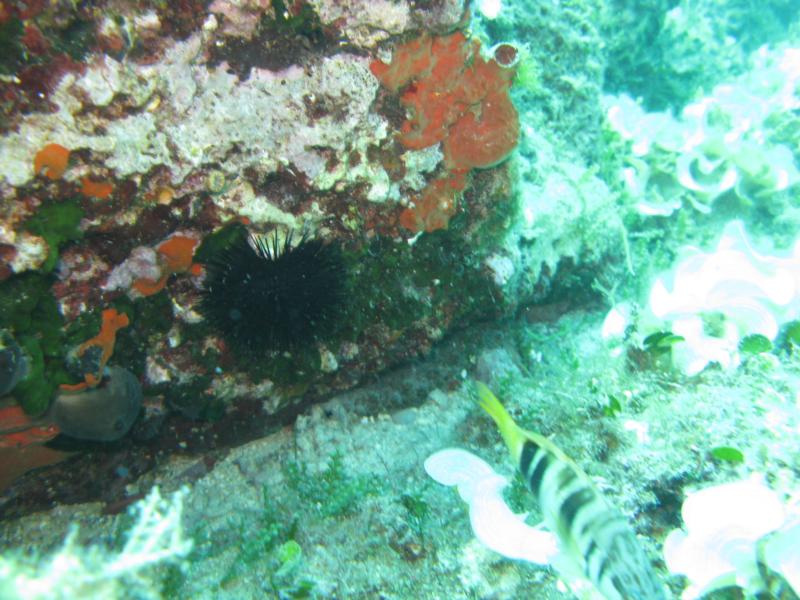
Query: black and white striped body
[[594, 537]]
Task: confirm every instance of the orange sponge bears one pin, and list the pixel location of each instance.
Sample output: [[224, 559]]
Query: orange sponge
[[176, 256], [457, 98], [453, 92], [105, 340], [484, 136], [96, 189], [432, 209], [177, 253], [53, 158]]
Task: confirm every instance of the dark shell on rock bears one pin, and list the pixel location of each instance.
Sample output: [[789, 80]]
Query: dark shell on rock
[[101, 414]]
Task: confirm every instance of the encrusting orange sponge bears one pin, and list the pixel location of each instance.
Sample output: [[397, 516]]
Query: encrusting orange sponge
[[432, 209], [176, 257], [53, 158], [148, 287], [96, 189], [455, 97], [177, 253], [112, 322]]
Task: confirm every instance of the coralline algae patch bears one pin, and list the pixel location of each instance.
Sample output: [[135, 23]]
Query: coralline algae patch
[[167, 125], [263, 118]]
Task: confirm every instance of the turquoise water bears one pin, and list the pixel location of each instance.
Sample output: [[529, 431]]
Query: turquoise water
[[254, 258]]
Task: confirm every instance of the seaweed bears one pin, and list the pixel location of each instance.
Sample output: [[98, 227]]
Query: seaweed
[[333, 491], [76, 39], [293, 36], [12, 52], [57, 223], [29, 310]]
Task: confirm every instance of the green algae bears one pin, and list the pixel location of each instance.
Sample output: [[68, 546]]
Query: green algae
[[57, 223], [304, 22], [193, 399], [12, 52], [150, 314], [333, 492], [76, 39], [29, 310], [83, 327], [215, 243], [35, 391], [433, 277]]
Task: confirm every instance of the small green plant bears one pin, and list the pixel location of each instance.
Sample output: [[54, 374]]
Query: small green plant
[[660, 343], [728, 454], [255, 543], [788, 339], [417, 512], [792, 333], [755, 344], [286, 579], [332, 491], [613, 406], [272, 549]]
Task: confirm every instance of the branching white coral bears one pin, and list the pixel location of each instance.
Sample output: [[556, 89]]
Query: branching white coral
[[726, 526], [94, 572]]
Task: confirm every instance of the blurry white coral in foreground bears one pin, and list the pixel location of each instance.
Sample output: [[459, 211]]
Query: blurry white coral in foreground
[[94, 572], [725, 528]]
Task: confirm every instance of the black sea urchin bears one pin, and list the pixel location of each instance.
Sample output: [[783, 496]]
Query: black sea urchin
[[262, 295]]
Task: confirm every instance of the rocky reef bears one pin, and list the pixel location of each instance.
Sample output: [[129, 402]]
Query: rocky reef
[[175, 133], [218, 215], [141, 142], [259, 248]]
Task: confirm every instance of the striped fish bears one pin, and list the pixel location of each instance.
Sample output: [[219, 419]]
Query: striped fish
[[596, 543]]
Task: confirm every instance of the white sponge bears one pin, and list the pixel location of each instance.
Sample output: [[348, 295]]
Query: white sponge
[[494, 523]]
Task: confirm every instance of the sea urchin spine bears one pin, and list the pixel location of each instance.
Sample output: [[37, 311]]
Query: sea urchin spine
[[261, 295]]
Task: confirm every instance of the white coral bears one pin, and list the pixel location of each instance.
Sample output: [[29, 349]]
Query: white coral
[[714, 299], [724, 526], [719, 143], [94, 572], [750, 293]]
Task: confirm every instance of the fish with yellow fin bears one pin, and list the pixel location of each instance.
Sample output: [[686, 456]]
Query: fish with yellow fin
[[595, 541]]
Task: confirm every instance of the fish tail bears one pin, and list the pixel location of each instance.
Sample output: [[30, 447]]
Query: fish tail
[[508, 428]]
